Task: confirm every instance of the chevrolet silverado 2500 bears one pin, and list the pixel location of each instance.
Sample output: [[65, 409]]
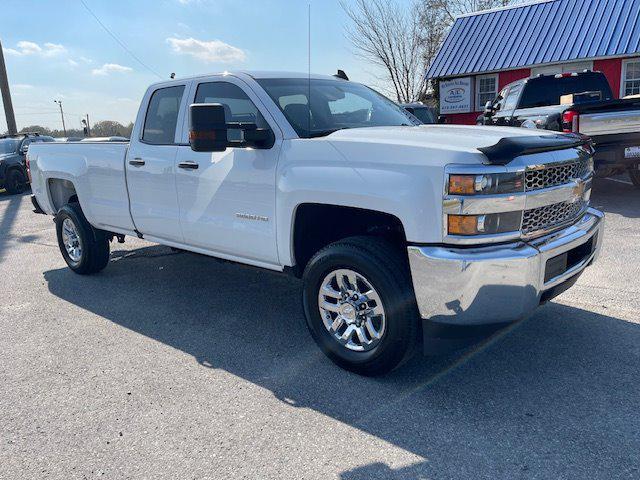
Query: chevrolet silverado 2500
[[390, 224]]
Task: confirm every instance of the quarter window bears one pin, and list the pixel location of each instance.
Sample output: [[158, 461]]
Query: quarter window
[[486, 90], [162, 116], [631, 78]]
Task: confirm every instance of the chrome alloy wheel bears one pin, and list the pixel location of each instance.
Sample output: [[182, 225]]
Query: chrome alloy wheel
[[71, 240], [351, 310]]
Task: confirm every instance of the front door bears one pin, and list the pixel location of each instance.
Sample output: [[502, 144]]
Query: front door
[[150, 166], [227, 199]]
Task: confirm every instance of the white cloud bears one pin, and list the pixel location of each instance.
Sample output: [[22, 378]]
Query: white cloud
[[26, 48], [22, 86], [108, 68], [72, 63], [211, 51]]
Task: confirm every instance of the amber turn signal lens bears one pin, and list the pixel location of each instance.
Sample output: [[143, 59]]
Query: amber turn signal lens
[[462, 185], [463, 225]]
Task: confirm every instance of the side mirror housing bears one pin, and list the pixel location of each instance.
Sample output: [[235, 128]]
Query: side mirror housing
[[442, 119], [258, 137], [24, 149], [488, 109], [207, 127]]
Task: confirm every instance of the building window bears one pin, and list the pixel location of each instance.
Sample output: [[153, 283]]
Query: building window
[[575, 67], [630, 78], [486, 90]]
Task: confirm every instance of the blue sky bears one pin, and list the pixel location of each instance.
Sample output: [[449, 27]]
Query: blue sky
[[57, 50]]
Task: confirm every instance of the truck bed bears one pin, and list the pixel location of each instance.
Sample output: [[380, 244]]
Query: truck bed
[[97, 170], [609, 117]]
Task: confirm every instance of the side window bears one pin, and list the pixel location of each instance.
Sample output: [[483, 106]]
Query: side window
[[162, 116], [511, 101], [238, 107]]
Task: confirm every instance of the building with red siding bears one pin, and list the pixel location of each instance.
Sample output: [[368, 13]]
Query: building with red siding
[[487, 50]]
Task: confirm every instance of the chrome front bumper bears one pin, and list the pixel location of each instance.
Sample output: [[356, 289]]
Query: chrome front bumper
[[499, 283]]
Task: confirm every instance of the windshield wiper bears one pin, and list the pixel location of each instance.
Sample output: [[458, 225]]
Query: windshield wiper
[[324, 133]]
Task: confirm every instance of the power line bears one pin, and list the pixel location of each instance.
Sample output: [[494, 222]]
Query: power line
[[120, 42]]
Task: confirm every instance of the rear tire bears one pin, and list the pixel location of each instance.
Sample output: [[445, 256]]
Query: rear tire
[[381, 268], [635, 176], [15, 182], [84, 248]]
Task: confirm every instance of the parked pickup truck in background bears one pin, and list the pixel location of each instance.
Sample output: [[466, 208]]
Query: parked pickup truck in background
[[392, 226], [614, 125]]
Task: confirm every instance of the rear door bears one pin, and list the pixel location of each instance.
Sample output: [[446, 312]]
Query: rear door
[[150, 163], [227, 199]]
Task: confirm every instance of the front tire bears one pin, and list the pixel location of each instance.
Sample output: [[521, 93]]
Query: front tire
[[359, 305], [15, 182], [84, 248]]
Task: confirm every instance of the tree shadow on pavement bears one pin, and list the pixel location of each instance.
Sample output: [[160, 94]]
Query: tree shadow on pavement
[[557, 394]]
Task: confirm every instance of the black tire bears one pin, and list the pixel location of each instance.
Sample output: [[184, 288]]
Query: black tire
[[635, 176], [15, 182], [94, 243], [385, 266]]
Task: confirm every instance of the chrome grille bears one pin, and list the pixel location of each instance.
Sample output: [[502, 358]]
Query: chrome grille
[[552, 176], [545, 218]]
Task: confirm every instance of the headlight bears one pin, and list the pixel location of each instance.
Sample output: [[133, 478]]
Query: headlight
[[486, 184], [491, 224]]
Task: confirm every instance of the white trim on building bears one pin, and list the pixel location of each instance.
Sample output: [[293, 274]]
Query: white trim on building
[[486, 89], [630, 78]]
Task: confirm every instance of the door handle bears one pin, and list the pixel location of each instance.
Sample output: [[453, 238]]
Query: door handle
[[136, 162], [188, 165]]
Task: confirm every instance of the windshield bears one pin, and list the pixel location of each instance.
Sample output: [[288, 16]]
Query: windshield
[[335, 105], [8, 145]]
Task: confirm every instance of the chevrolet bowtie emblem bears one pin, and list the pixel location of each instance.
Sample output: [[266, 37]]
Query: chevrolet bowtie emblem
[[579, 189]]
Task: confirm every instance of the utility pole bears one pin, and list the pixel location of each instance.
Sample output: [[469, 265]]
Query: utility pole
[[88, 127], [64, 129], [6, 96]]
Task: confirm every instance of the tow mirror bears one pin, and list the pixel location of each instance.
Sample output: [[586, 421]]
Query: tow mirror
[[488, 108], [207, 127]]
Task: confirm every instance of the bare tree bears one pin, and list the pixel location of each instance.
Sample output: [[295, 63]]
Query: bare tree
[[437, 16], [388, 36]]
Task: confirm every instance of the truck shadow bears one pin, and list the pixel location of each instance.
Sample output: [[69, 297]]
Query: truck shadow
[[618, 197], [558, 392]]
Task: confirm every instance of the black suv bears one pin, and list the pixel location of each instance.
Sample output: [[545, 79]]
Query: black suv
[[13, 152]]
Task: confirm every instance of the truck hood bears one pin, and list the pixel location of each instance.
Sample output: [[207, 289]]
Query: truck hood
[[495, 145]]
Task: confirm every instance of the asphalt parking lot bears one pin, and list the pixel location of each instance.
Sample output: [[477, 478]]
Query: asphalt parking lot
[[173, 365]]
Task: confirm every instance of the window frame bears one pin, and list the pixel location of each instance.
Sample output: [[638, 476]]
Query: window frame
[[177, 132], [480, 105], [623, 77]]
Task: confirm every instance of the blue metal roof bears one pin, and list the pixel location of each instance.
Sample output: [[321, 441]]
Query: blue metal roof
[[549, 31]]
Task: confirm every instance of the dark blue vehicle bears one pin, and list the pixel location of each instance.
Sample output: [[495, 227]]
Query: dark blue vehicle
[[13, 152]]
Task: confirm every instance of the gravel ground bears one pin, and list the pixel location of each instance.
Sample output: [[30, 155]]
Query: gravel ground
[[173, 365]]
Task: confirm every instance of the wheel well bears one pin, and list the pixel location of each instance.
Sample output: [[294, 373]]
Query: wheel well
[[61, 192], [317, 225]]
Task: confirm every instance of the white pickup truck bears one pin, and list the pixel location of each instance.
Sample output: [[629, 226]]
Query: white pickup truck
[[391, 225]]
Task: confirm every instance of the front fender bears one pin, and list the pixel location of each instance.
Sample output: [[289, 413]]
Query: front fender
[[315, 172]]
